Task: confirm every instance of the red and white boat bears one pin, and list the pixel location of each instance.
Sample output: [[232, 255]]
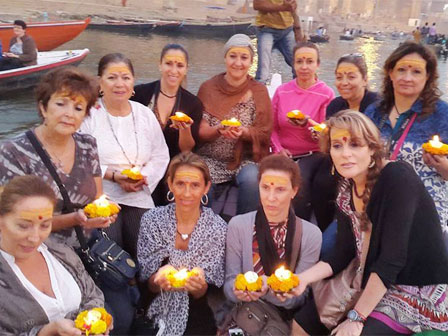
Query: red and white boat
[[21, 78], [47, 35]]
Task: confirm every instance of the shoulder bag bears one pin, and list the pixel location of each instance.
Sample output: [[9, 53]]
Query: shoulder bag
[[103, 258]]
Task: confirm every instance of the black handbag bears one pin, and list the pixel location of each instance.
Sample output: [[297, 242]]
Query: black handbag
[[103, 258]]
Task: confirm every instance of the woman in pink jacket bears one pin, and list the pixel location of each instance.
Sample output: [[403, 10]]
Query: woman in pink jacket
[[293, 138]]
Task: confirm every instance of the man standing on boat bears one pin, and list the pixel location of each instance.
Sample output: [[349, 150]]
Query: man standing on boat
[[22, 49], [275, 30]]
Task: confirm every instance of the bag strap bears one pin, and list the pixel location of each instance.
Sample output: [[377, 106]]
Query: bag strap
[[67, 202], [394, 155], [296, 244]]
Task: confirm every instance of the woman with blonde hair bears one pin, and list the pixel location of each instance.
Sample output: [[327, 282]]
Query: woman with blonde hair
[[389, 246]]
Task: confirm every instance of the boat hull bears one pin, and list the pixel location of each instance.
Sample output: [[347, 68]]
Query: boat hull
[[47, 35], [177, 27], [22, 78]]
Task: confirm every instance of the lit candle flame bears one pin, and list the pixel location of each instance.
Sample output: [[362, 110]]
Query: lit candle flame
[[295, 112], [180, 114], [92, 317], [181, 275], [251, 277], [102, 202], [233, 119], [435, 142], [135, 170], [283, 274]]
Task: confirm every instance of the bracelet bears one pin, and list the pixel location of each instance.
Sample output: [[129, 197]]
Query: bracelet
[[113, 176]]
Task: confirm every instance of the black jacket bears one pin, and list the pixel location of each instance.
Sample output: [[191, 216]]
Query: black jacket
[[340, 104], [406, 245]]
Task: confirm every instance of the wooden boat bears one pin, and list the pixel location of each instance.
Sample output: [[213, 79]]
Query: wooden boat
[[319, 39], [47, 35], [202, 28], [346, 37], [25, 77]]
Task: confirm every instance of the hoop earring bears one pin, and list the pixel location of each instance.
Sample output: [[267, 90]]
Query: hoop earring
[[133, 93], [332, 170], [371, 164], [101, 93], [204, 199], [168, 197]]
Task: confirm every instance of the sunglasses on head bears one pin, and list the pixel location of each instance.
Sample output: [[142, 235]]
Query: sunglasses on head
[[356, 55]]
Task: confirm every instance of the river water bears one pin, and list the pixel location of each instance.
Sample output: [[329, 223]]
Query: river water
[[18, 111]]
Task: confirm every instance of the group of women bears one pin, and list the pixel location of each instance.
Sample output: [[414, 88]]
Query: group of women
[[368, 176]]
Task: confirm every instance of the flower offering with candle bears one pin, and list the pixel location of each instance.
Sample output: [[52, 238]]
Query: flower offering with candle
[[435, 146], [179, 278], [232, 122], [94, 321], [182, 117], [319, 127], [101, 208], [249, 281], [296, 115], [282, 280], [133, 173]]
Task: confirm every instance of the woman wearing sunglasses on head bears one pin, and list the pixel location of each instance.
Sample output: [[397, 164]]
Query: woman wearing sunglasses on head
[[352, 84]]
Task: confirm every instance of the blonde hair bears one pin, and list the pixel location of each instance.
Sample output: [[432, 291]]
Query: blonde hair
[[188, 159], [358, 125]]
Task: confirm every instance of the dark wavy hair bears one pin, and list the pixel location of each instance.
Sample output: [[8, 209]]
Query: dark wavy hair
[[430, 93]]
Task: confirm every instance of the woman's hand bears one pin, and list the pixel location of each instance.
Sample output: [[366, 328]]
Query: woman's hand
[[297, 291], [348, 328], [160, 277], [248, 296], [233, 133], [181, 125], [196, 284], [438, 162], [80, 218], [63, 327], [299, 122], [128, 184]]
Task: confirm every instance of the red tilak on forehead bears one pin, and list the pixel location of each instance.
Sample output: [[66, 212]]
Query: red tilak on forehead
[[40, 217], [344, 139]]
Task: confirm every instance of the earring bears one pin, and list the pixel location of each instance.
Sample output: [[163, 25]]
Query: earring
[[101, 93], [133, 93], [372, 163], [204, 199], [332, 170], [169, 197]]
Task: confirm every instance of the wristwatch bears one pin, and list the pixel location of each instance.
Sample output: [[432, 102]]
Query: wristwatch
[[354, 316]]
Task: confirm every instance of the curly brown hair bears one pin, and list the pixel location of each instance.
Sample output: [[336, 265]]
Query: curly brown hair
[[430, 93], [360, 126]]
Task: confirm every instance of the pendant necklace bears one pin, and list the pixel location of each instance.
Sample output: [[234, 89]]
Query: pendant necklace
[[398, 112], [116, 138], [184, 236]]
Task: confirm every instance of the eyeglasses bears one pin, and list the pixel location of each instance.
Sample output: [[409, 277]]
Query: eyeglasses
[[356, 55]]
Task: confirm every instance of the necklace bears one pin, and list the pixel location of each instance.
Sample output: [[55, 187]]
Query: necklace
[[356, 191], [116, 138], [398, 112], [168, 96], [184, 236]]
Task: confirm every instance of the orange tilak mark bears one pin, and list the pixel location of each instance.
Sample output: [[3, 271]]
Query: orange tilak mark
[[192, 175], [340, 134], [117, 68], [273, 180], [177, 58], [346, 69], [36, 214], [417, 63], [305, 55], [240, 49]]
